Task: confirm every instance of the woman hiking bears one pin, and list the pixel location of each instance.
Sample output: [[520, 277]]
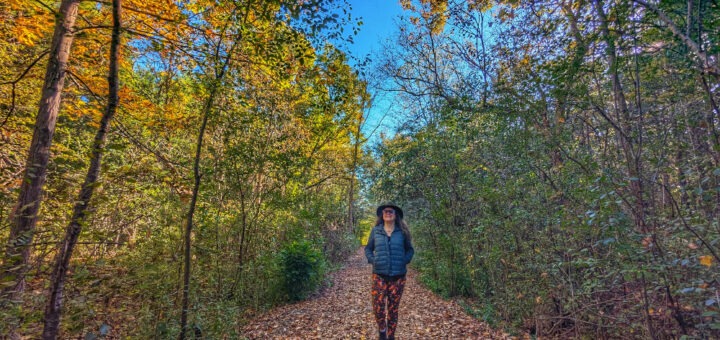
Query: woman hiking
[[389, 249]]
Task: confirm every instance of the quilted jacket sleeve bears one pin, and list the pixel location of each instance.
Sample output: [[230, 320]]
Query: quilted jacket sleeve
[[409, 251], [370, 247]]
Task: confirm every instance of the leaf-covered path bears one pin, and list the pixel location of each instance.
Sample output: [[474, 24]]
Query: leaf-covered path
[[343, 311]]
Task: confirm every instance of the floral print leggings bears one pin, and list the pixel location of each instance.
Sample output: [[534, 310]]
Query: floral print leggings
[[387, 290]]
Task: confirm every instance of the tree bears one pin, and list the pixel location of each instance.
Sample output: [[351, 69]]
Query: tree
[[25, 213], [580, 159], [54, 305]]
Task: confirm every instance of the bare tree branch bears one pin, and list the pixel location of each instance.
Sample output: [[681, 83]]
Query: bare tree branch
[[708, 65]]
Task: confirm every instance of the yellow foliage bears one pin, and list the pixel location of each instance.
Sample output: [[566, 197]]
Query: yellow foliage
[[30, 27], [525, 61], [706, 260]]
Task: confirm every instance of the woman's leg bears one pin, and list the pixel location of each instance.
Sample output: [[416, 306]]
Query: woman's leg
[[394, 292], [379, 296]]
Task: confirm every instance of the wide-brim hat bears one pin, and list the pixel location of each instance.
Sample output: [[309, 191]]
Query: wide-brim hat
[[397, 209]]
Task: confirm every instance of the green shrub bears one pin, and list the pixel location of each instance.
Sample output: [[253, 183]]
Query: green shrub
[[302, 266]]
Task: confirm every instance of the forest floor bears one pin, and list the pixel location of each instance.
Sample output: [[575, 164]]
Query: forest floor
[[343, 311]]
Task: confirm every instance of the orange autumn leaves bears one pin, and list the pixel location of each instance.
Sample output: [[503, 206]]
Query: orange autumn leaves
[[706, 260], [28, 26], [29, 21], [171, 26]]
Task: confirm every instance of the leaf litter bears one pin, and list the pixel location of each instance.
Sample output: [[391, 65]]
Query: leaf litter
[[343, 311]]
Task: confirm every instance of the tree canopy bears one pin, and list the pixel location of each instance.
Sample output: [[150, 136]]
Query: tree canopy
[[171, 169]]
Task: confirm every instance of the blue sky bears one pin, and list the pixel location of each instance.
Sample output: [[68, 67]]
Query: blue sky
[[378, 18], [379, 24]]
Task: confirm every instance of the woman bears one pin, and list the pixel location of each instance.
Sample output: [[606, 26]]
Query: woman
[[389, 249]]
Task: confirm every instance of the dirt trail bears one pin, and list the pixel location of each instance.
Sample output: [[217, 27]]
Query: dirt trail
[[343, 311]]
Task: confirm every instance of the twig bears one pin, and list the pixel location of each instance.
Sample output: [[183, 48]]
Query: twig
[[686, 225], [50, 9], [14, 85]]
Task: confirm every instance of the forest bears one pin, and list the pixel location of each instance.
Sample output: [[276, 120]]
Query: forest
[[173, 169]]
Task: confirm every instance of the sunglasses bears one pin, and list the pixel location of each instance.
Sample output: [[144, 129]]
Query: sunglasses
[[388, 211]]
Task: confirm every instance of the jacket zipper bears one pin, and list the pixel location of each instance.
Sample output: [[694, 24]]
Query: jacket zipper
[[387, 244]]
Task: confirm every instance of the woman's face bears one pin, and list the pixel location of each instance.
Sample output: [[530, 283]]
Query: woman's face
[[388, 215]]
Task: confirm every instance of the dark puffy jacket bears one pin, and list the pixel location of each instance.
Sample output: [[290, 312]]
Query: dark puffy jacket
[[388, 255]]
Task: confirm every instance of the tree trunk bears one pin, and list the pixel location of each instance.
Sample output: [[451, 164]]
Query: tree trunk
[[191, 212], [207, 108], [624, 127], [351, 198], [54, 305], [24, 216]]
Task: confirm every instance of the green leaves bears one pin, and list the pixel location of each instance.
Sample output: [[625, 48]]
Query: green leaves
[[301, 269], [583, 185]]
